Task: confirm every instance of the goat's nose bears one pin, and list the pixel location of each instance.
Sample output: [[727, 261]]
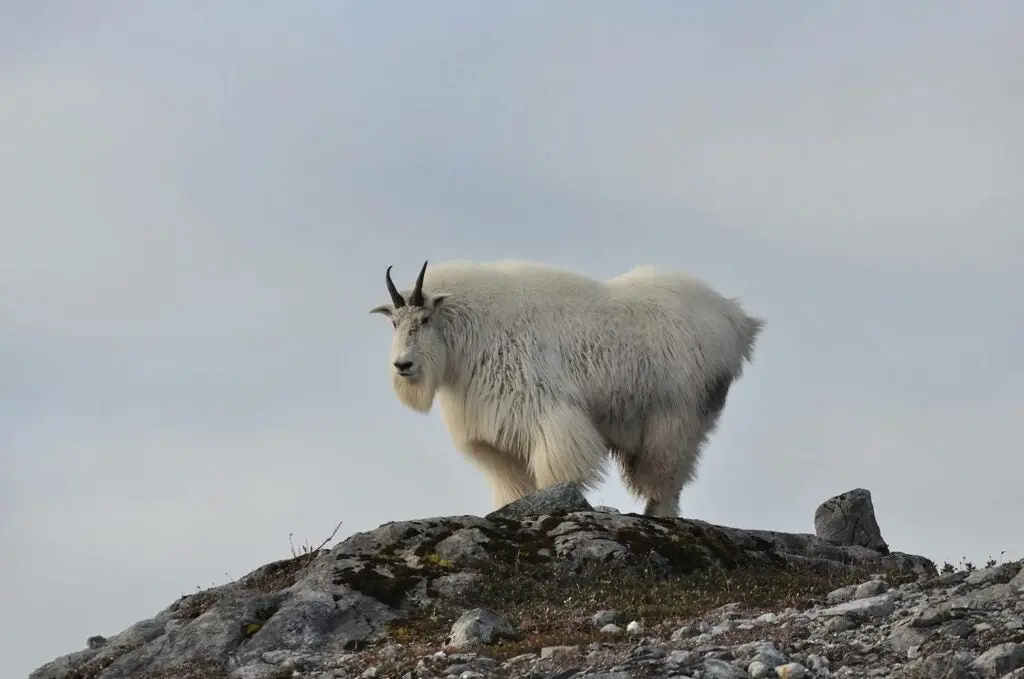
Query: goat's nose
[[402, 365]]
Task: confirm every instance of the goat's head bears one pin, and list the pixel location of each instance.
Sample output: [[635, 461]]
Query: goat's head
[[418, 350]]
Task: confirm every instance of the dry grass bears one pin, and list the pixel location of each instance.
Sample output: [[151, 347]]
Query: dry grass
[[554, 609], [309, 552], [273, 577]]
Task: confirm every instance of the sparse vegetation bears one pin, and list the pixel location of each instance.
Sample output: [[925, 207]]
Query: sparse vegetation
[[306, 550], [968, 566], [192, 606], [551, 608]]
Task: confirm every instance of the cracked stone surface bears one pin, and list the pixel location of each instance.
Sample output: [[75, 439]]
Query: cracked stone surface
[[849, 519]]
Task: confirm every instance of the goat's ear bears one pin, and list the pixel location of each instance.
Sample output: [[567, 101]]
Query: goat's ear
[[382, 309], [436, 300]]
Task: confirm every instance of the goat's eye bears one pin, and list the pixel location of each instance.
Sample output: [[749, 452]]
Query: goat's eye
[[424, 320]]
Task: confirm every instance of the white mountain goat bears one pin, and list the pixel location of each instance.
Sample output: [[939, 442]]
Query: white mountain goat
[[541, 372]]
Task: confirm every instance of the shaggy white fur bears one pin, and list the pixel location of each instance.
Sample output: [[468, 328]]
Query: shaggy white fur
[[541, 372]]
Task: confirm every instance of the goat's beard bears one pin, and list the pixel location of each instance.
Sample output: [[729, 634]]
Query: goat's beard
[[417, 394]]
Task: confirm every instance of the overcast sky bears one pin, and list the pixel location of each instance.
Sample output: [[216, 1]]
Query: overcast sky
[[198, 202]]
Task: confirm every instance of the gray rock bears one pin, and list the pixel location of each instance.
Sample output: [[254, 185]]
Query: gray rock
[[684, 633], [818, 664], [981, 599], [682, 658], [793, 670], [478, 626], [720, 669], [929, 617], [561, 499], [849, 519], [551, 652], [456, 584], [959, 629], [943, 666], [870, 588], [758, 670], [464, 547], [583, 548], [277, 657], [872, 607], [312, 620], [999, 660], [606, 508], [839, 624], [841, 595], [992, 576], [770, 655], [606, 617], [902, 639], [258, 670]]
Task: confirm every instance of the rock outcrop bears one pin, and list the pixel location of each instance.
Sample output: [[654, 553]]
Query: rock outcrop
[[849, 519], [549, 586]]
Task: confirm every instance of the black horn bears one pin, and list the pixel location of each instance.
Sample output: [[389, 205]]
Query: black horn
[[396, 298], [416, 298]]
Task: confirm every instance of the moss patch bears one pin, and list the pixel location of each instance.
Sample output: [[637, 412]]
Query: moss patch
[[388, 578], [435, 559], [674, 571], [684, 547], [551, 607]]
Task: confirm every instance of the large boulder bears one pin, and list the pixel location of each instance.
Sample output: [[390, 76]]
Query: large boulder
[[848, 519]]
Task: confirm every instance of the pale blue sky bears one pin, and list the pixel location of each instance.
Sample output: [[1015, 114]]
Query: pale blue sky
[[197, 207]]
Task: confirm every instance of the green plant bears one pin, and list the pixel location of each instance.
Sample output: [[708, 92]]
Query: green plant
[[968, 566], [438, 560]]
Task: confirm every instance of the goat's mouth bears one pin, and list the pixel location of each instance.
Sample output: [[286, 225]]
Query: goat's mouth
[[411, 374]]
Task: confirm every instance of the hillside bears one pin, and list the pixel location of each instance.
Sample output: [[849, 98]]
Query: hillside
[[551, 587]]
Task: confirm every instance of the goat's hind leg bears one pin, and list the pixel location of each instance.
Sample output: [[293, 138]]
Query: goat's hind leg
[[665, 464]]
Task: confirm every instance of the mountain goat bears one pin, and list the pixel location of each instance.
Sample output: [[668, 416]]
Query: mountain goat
[[541, 372]]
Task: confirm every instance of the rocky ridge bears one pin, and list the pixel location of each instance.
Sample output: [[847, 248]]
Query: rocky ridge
[[550, 587]]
